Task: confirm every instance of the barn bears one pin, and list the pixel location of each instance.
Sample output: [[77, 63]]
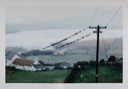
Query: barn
[[59, 53], [10, 58], [55, 53]]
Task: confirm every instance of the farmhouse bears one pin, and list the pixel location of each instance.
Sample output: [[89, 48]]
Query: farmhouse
[[10, 58], [64, 65], [28, 65]]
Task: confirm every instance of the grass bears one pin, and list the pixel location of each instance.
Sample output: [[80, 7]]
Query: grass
[[52, 76], [108, 74], [10, 71]]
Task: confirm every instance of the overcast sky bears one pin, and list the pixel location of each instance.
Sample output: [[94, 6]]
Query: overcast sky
[[61, 17], [68, 19]]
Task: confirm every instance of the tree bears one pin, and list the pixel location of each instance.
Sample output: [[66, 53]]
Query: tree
[[111, 59]]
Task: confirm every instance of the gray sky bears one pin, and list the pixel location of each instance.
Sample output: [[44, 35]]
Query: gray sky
[[61, 17]]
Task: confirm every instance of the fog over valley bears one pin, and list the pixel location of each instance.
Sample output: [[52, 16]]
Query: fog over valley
[[37, 39]]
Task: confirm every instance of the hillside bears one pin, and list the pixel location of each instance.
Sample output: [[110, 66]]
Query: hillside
[[116, 46], [112, 46]]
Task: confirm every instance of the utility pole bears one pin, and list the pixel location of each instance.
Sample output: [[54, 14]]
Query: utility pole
[[97, 49]]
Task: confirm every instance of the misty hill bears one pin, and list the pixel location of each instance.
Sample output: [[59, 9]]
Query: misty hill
[[14, 50], [111, 45], [116, 46], [117, 40]]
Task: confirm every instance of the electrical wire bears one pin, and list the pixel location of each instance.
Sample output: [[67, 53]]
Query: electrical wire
[[94, 16], [65, 39], [113, 16], [74, 41], [72, 34], [104, 46]]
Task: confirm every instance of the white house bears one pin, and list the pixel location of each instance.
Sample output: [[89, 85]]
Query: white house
[[66, 65], [10, 58], [28, 65]]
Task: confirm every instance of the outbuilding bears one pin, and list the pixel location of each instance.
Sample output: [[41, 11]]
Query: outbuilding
[[64, 65], [39, 67], [57, 53], [61, 53]]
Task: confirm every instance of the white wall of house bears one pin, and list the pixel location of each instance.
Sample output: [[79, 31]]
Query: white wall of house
[[33, 68], [9, 62], [12, 65], [64, 67], [15, 56], [19, 67], [29, 68]]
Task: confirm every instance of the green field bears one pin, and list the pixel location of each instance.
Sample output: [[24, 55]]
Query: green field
[[70, 57], [52, 76], [107, 74]]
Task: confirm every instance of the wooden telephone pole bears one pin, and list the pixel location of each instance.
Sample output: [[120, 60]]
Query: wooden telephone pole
[[97, 49]]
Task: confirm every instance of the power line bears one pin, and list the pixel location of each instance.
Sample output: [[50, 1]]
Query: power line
[[94, 16], [113, 16], [104, 45], [65, 39], [74, 41], [71, 35]]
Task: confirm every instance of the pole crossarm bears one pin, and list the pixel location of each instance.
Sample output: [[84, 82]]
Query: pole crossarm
[[92, 27], [96, 31], [97, 27]]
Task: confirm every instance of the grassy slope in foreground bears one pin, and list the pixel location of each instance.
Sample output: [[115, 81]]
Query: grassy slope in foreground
[[52, 76], [108, 74]]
